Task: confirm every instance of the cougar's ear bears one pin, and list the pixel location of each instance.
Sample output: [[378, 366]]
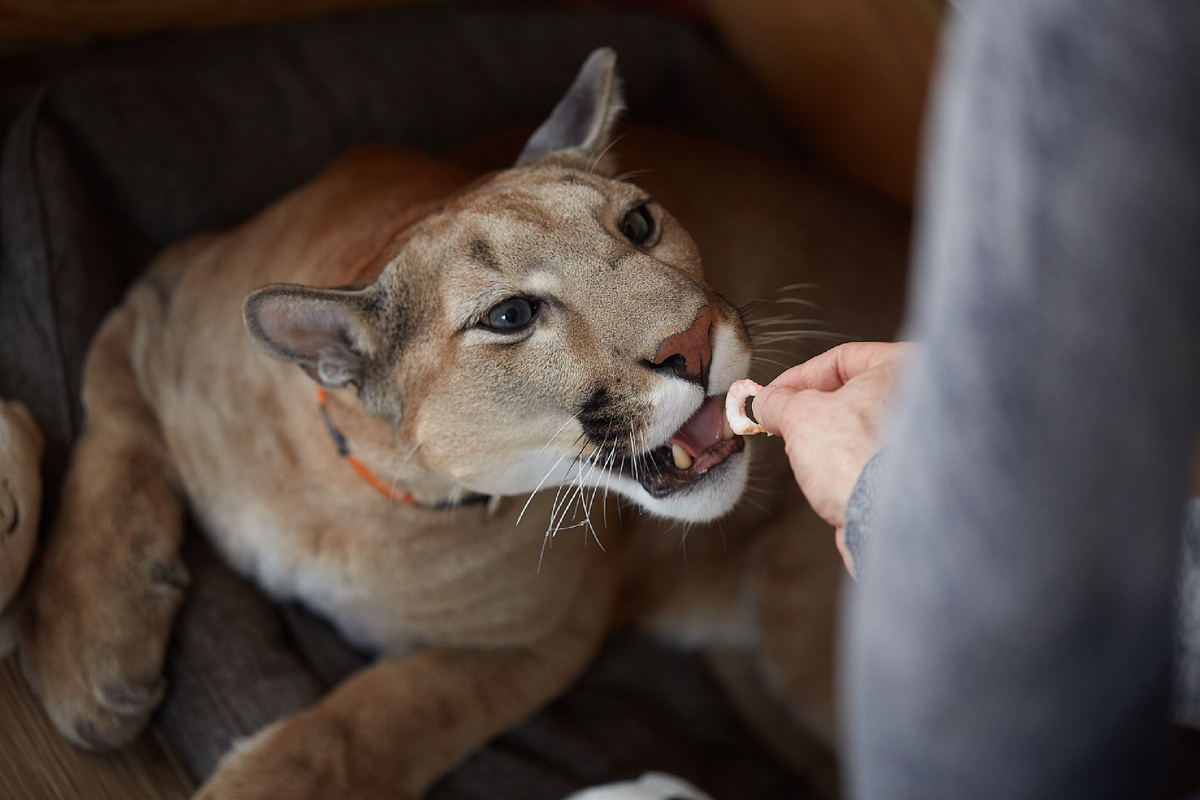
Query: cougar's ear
[[328, 332], [583, 119]]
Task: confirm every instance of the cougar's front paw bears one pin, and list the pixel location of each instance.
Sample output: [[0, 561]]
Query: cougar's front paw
[[304, 757], [93, 654]]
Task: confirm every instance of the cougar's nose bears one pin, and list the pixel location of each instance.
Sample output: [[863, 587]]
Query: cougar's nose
[[688, 353]]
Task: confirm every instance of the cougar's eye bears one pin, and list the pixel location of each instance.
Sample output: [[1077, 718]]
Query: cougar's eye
[[511, 315], [638, 225]]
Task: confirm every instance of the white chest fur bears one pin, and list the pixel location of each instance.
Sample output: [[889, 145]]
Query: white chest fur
[[396, 579]]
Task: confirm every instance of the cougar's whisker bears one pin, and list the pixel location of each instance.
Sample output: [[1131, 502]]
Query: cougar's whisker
[[772, 361], [778, 295], [594, 460], [782, 319], [551, 528], [650, 461], [538, 488], [800, 301], [596, 159], [633, 173], [403, 465], [586, 505], [633, 453], [612, 460], [555, 434], [581, 482], [798, 335], [791, 287], [562, 506]]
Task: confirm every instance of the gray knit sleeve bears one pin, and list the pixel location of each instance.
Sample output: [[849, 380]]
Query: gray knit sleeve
[[860, 510], [860, 519]]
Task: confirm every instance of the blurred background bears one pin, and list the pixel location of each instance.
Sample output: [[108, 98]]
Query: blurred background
[[850, 76]]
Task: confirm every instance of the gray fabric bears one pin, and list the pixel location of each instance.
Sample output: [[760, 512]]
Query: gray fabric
[[232, 668], [154, 141], [236, 665], [1018, 643], [861, 520], [638, 704]]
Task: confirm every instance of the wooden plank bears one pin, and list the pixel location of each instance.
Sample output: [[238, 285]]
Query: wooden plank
[[36, 763]]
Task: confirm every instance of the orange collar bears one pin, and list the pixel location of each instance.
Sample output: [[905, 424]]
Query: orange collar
[[364, 472]]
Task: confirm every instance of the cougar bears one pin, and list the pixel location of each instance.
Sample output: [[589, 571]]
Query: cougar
[[476, 422]]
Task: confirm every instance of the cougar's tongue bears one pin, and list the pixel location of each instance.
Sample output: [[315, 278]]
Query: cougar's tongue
[[703, 430]]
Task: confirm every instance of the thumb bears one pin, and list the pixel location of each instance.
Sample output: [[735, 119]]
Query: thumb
[[770, 407]]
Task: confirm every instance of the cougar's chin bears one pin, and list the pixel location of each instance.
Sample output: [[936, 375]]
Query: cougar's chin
[[705, 499], [698, 474]]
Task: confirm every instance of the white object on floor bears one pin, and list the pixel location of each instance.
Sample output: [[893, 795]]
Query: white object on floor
[[651, 786]]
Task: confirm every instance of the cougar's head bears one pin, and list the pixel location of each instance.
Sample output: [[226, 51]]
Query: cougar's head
[[548, 325]]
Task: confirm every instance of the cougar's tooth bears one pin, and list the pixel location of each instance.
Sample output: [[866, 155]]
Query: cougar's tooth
[[727, 430], [682, 459]]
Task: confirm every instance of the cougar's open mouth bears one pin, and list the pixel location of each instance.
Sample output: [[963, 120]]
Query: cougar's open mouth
[[705, 441]]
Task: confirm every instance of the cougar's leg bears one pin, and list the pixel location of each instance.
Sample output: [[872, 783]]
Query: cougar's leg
[[391, 730], [784, 687], [96, 620], [797, 574]]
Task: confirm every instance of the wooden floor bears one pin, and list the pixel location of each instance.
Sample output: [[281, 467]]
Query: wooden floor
[[38, 764]]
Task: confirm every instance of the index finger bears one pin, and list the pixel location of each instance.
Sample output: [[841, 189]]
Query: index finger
[[831, 369]]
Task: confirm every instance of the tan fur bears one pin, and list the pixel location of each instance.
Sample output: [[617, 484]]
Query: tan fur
[[481, 617], [20, 506]]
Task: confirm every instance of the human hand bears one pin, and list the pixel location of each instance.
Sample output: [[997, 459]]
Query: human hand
[[828, 411]]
